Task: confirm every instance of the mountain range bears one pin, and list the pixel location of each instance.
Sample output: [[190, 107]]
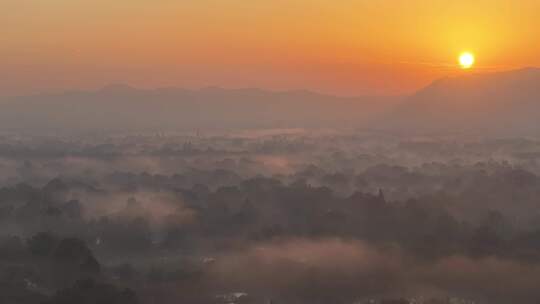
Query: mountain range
[[503, 102], [121, 107]]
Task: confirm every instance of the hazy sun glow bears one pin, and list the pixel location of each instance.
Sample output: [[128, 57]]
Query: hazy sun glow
[[351, 47], [466, 60]]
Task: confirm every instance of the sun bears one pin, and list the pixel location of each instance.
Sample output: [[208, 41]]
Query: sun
[[466, 60]]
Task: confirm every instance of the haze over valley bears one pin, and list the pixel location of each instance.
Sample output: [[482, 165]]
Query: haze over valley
[[269, 152]]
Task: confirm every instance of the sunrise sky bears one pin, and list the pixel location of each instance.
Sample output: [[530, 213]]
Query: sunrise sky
[[341, 47]]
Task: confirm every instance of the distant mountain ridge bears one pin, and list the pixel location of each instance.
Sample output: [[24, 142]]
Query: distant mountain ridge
[[506, 103], [122, 107]]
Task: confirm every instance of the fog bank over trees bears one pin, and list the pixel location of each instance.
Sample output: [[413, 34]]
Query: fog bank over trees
[[280, 215]]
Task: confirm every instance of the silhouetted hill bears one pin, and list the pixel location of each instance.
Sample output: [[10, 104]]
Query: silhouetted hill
[[502, 103], [121, 107]]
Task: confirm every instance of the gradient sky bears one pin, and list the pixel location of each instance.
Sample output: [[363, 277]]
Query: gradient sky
[[342, 47]]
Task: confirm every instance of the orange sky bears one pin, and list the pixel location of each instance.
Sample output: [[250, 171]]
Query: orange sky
[[343, 47]]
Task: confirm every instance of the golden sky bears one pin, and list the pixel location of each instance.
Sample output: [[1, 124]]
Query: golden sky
[[340, 46]]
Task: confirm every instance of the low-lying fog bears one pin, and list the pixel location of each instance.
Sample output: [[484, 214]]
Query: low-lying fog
[[270, 216]]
